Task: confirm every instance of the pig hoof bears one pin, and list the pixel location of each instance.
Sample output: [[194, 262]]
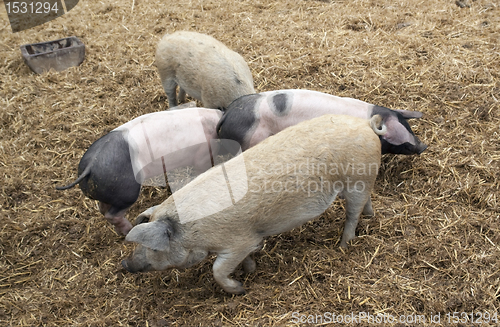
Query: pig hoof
[[368, 213], [125, 265], [345, 243], [123, 229], [239, 291], [236, 288]]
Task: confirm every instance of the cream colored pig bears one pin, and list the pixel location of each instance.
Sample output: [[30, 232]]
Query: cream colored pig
[[204, 68], [275, 186]]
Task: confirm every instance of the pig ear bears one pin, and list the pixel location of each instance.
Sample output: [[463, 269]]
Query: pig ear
[[407, 114], [144, 216], [378, 125], [154, 235]]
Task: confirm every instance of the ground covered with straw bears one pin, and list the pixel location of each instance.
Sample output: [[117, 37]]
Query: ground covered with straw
[[432, 249]]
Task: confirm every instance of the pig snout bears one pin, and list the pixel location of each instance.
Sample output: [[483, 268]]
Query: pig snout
[[417, 148], [421, 146], [137, 261], [406, 148], [127, 267], [133, 266]]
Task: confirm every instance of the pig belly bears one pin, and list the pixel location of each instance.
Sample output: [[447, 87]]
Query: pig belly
[[197, 156], [295, 216]]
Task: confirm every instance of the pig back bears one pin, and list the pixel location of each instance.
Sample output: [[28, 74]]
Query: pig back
[[282, 182]]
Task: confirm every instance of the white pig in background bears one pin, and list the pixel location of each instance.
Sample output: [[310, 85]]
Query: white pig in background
[[252, 118], [203, 67], [115, 166], [281, 183]]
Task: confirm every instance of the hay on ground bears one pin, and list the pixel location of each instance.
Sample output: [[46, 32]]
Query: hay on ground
[[433, 246]]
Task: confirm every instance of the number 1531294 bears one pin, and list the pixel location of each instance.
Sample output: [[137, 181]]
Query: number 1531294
[[14, 7], [472, 317]]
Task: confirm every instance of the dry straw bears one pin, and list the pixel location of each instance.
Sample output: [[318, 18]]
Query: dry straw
[[433, 246]]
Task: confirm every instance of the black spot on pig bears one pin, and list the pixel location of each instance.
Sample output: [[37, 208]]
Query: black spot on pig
[[280, 103]]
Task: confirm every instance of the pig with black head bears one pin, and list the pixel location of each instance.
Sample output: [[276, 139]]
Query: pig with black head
[[114, 167], [252, 118]]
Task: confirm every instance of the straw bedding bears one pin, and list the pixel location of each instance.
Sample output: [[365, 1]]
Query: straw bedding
[[432, 248]]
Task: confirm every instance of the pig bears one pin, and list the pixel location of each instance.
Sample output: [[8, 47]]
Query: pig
[[252, 118], [275, 186], [115, 166], [203, 67]]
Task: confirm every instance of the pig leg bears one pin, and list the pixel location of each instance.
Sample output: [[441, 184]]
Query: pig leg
[[249, 264], [170, 87], [118, 220], [356, 202], [104, 207], [368, 210], [206, 156], [182, 95], [203, 160], [226, 263], [122, 225]]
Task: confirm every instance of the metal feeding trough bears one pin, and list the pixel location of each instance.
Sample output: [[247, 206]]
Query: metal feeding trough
[[59, 54]]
